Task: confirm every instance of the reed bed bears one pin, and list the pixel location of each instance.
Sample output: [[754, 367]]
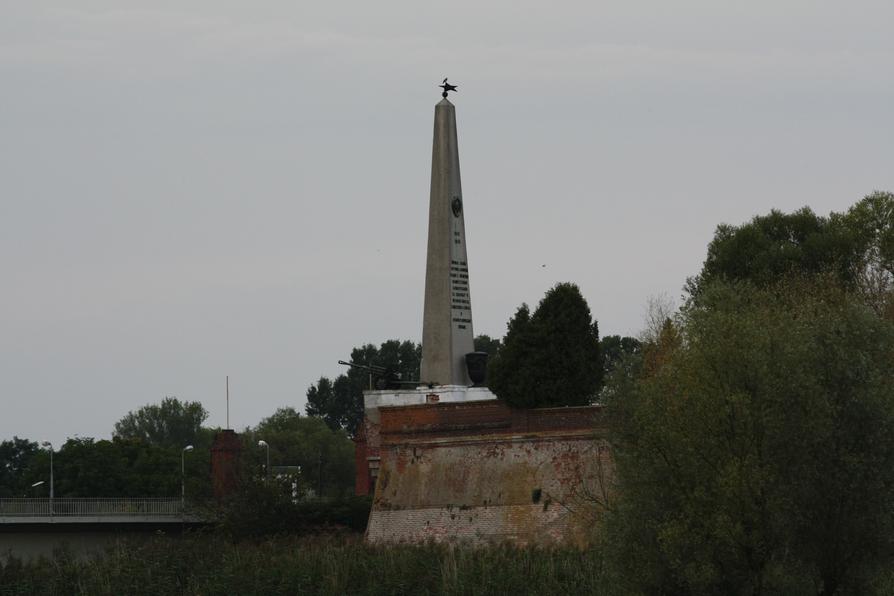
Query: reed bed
[[207, 564]]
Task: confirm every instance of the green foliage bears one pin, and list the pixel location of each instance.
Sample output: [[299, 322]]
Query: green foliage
[[855, 248], [88, 468], [551, 357], [84, 467], [283, 421], [340, 403], [325, 456], [171, 423], [488, 345], [871, 223], [491, 347], [210, 564], [330, 403], [16, 458], [258, 510], [773, 246], [755, 454], [617, 350]]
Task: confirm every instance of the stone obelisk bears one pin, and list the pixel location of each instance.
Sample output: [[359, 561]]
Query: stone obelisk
[[447, 321]]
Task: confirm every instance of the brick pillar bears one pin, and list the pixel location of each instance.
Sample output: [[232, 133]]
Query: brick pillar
[[225, 452]]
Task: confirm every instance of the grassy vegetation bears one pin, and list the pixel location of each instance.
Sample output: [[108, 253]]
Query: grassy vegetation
[[210, 564]]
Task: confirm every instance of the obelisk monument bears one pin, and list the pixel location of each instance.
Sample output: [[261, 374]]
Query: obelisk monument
[[447, 320]]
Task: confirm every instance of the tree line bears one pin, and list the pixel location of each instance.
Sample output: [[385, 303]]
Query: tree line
[[143, 457], [550, 343], [752, 436]]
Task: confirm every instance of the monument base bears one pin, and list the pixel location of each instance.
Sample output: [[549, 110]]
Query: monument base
[[373, 400], [366, 443], [480, 472]]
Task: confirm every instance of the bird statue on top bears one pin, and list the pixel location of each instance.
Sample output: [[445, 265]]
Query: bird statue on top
[[446, 87]]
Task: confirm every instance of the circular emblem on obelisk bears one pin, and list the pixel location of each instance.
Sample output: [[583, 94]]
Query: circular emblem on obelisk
[[457, 206]]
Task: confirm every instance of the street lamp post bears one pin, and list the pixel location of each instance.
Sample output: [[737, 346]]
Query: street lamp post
[[183, 477], [263, 443], [49, 446]]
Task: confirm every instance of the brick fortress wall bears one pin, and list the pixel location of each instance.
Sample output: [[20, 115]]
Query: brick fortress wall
[[482, 472]]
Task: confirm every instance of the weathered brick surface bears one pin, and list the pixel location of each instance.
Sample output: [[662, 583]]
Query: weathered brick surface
[[366, 451], [372, 437], [482, 472], [225, 452], [511, 523], [482, 418], [361, 480]]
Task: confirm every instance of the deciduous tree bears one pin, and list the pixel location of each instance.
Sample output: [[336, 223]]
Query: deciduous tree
[[779, 244], [755, 454], [615, 349], [871, 223], [16, 457], [487, 344], [171, 423], [340, 402], [324, 455]]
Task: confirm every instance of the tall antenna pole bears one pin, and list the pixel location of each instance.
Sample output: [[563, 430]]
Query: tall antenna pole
[[228, 401]]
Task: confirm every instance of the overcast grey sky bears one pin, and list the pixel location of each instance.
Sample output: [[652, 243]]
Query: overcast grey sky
[[191, 189]]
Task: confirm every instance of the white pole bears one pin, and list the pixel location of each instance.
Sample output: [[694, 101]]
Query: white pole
[[183, 478], [263, 443], [49, 446]]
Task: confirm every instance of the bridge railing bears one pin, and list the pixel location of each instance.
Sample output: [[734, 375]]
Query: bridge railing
[[90, 507]]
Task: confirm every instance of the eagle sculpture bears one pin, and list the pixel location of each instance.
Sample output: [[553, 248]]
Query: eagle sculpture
[[446, 87]]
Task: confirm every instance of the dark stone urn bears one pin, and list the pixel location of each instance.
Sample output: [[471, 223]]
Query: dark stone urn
[[476, 363]]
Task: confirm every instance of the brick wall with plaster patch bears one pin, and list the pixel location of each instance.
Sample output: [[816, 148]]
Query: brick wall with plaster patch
[[482, 472]]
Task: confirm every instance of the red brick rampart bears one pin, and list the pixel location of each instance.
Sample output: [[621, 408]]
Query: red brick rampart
[[483, 472], [482, 418]]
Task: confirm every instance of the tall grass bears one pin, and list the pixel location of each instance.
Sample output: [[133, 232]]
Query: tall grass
[[206, 564]]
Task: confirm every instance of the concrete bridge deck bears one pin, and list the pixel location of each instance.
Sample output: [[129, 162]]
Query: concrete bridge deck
[[31, 528], [21, 512]]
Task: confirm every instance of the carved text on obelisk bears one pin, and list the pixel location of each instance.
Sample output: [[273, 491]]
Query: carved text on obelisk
[[460, 303]]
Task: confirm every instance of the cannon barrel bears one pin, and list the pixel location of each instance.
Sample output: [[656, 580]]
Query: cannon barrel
[[370, 367], [388, 378]]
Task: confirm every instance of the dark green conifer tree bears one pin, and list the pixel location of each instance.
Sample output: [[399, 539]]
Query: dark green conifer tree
[[551, 357]]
